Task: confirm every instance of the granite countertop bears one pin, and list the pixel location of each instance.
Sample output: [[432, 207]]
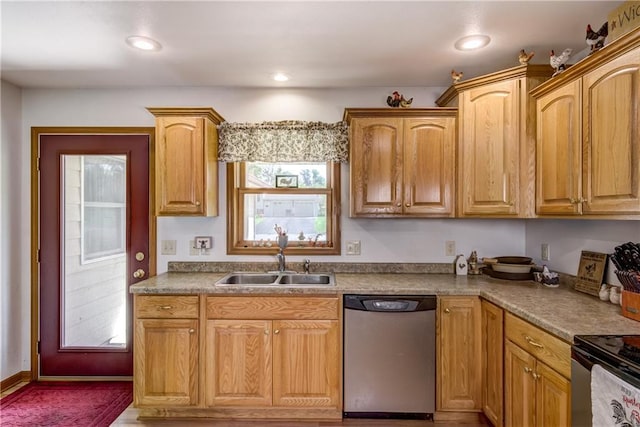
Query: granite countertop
[[562, 311]]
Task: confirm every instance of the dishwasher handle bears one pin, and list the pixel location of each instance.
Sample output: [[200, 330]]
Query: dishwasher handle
[[386, 303]]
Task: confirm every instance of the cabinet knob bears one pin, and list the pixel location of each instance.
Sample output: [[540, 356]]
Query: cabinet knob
[[446, 310], [408, 205], [399, 205], [527, 370], [536, 376], [266, 332], [197, 203], [573, 201], [276, 332], [191, 330]]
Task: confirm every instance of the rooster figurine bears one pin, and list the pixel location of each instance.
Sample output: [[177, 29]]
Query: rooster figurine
[[595, 39], [456, 76], [394, 100], [405, 103], [558, 61], [524, 57]]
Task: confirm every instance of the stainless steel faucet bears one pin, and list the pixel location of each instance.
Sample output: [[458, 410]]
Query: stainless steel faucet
[[281, 261], [306, 265]]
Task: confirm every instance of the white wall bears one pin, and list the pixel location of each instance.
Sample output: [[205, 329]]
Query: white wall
[[383, 240], [14, 238], [567, 238]]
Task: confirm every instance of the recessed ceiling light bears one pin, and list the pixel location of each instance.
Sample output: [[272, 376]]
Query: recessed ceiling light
[[280, 77], [143, 43], [473, 42]]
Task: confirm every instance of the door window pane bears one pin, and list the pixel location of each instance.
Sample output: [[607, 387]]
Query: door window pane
[[94, 286]]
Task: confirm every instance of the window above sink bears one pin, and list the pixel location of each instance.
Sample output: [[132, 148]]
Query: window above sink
[[302, 197]]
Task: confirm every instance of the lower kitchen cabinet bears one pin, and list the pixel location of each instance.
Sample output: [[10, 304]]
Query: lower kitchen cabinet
[[459, 346], [537, 376], [166, 351], [286, 355], [492, 362]]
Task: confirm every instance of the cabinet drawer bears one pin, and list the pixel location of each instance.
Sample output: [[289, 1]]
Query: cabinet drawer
[[544, 346], [265, 308], [166, 306]]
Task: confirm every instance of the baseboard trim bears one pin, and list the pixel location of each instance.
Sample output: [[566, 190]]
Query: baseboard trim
[[20, 377]]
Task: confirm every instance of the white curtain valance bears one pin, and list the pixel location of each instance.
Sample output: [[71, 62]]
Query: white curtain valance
[[285, 141]]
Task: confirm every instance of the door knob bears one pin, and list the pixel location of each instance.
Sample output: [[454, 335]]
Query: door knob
[[139, 273]]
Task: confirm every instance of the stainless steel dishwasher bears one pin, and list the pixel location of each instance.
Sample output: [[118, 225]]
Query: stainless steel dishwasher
[[389, 356]]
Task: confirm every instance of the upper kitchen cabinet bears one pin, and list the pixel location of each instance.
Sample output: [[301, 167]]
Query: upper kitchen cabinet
[[588, 146], [402, 162], [186, 161], [496, 145]]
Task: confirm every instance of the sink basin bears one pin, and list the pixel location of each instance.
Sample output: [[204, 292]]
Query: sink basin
[[276, 279], [248, 279], [306, 279]]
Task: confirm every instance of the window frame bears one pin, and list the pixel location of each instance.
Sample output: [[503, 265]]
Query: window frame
[[236, 245]]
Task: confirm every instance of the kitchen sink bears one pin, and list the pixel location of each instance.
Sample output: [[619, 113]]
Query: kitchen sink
[[306, 279], [276, 279]]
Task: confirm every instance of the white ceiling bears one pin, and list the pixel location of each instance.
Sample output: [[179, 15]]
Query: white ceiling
[[73, 44]]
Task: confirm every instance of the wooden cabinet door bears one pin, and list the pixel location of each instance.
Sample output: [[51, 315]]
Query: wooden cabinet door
[[459, 373], [238, 363], [376, 166], [492, 362], [611, 155], [553, 397], [166, 362], [306, 363], [558, 151], [180, 165], [429, 165], [488, 164], [519, 387]]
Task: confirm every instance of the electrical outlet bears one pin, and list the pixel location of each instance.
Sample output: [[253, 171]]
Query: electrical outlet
[[195, 251], [450, 248], [545, 253], [203, 242], [168, 247], [353, 247]]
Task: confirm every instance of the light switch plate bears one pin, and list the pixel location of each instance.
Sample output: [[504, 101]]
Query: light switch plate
[[168, 247]]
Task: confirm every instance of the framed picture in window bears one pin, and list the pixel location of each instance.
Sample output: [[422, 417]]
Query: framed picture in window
[[286, 181]]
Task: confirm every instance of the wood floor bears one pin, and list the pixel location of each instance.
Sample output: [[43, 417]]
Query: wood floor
[[130, 418]]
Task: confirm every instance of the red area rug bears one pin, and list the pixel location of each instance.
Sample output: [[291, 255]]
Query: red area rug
[[52, 403]]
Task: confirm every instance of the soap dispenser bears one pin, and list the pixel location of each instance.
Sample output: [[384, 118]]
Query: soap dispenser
[[461, 265]]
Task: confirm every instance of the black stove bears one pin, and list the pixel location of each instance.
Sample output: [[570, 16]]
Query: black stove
[[619, 351]]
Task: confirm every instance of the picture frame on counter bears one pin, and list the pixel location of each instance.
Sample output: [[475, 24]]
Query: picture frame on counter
[[590, 272]]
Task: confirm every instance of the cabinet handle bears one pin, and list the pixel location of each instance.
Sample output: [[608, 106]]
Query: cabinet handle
[[446, 310], [191, 330], [276, 332], [532, 342], [166, 307]]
